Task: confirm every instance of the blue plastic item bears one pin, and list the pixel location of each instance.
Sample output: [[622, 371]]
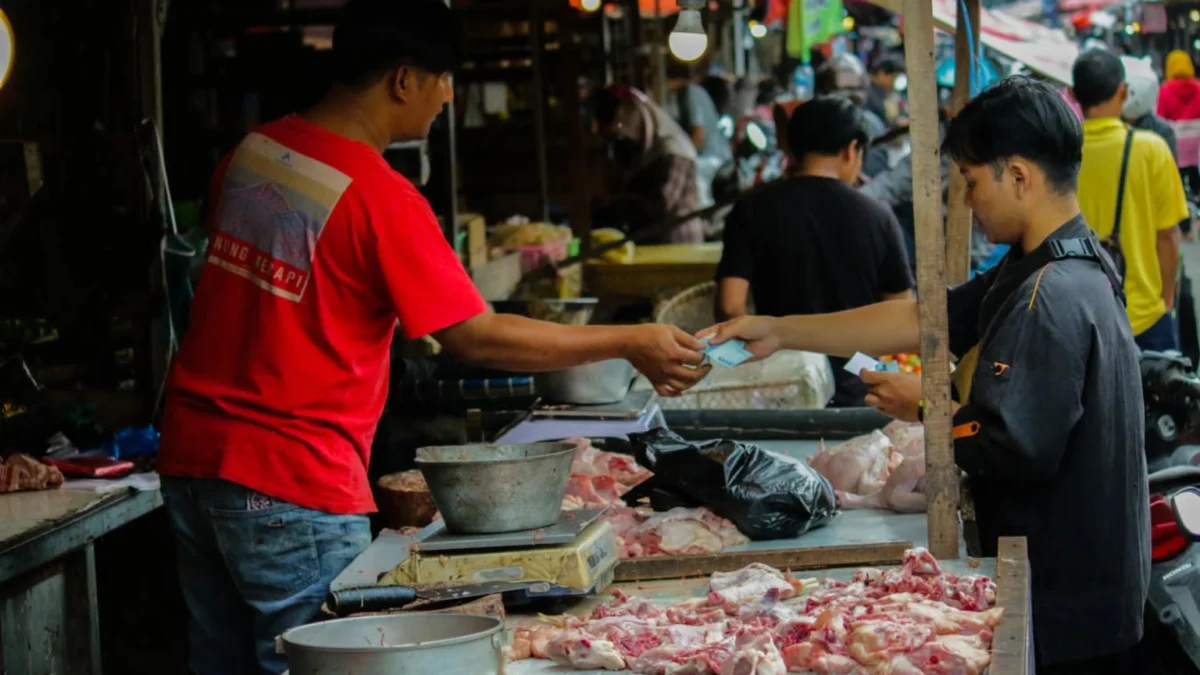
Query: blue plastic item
[[132, 442]]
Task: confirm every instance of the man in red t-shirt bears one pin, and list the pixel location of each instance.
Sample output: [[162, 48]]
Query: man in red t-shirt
[[318, 251]]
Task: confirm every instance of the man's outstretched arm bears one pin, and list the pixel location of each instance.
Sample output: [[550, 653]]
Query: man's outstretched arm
[[882, 328]]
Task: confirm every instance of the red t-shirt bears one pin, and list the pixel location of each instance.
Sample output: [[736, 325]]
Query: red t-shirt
[[317, 248]]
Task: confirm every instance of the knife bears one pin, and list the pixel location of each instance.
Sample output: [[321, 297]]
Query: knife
[[360, 599]]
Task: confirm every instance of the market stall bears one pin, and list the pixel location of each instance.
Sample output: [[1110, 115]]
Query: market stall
[[49, 618]]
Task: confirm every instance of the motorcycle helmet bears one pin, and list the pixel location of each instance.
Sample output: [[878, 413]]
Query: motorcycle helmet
[[1142, 83]]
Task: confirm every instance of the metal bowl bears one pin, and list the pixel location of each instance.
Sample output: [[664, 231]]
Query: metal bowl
[[399, 644], [485, 489], [592, 384]]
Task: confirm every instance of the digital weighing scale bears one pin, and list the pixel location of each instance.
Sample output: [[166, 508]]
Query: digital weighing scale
[[574, 557]]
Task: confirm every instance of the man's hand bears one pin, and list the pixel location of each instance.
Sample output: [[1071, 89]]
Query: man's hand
[[668, 357], [760, 333], [896, 395]]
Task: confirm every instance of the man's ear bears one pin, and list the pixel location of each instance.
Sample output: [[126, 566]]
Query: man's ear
[[403, 83], [1123, 92], [1022, 174]]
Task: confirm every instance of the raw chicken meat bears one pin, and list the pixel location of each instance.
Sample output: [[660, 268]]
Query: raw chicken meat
[[881, 470], [904, 491], [907, 437], [599, 478], [751, 582], [860, 465], [916, 619], [680, 531]]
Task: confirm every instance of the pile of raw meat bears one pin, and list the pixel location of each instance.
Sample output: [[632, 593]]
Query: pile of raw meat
[[918, 619], [599, 478], [881, 470]]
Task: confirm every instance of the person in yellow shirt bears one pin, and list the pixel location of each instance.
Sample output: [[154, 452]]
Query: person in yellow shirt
[[1152, 198]]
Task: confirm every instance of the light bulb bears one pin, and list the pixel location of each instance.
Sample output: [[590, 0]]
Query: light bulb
[[590, 5], [1194, 15], [7, 47], [758, 30], [688, 41]]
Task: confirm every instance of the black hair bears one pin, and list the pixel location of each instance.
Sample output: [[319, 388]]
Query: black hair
[[1019, 117], [604, 106], [826, 125], [375, 36], [719, 91], [888, 65], [1097, 75]]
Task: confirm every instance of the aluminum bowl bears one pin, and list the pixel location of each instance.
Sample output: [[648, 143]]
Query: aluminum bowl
[[592, 384], [398, 644], [485, 489]]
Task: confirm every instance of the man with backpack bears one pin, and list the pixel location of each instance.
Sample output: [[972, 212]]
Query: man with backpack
[[1131, 195]]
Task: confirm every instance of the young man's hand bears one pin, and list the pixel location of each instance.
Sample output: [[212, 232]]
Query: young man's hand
[[668, 357], [896, 395], [760, 333]]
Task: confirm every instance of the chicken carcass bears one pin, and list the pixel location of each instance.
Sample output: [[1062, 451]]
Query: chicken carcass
[[679, 531], [581, 652], [904, 491], [907, 437], [858, 466]]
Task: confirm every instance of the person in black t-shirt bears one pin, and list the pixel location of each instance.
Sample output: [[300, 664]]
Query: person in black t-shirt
[[811, 243]]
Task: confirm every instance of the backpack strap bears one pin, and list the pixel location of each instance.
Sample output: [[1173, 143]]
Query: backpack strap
[[1115, 237], [1087, 248]]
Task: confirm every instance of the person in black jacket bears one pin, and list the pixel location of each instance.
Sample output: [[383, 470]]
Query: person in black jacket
[[1050, 418]]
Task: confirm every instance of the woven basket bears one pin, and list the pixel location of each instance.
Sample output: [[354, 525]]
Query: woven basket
[[783, 381]]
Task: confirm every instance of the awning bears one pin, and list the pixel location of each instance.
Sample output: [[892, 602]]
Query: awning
[[1044, 50]]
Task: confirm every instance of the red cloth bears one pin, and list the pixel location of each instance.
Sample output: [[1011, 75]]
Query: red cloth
[[1179, 99], [317, 248]]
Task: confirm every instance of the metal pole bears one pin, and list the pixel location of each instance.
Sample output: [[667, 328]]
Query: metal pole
[[536, 30], [941, 475], [739, 38], [660, 58]]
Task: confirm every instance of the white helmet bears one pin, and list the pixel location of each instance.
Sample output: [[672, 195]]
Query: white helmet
[[1142, 82]]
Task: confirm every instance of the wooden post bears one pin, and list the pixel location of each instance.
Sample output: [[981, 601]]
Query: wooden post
[[958, 217], [941, 476]]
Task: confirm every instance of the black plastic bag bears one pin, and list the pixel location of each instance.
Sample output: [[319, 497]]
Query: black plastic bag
[[767, 496]]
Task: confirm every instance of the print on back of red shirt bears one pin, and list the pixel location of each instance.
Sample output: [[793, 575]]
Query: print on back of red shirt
[[275, 203]]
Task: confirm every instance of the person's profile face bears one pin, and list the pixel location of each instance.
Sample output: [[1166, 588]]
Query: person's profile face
[[993, 202], [424, 95], [851, 163]]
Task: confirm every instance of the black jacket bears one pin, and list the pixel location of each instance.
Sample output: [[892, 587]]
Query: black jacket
[[1058, 456]]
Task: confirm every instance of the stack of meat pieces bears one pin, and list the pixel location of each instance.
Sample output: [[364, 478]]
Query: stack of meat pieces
[[881, 470], [21, 472], [643, 533], [599, 478], [918, 619]]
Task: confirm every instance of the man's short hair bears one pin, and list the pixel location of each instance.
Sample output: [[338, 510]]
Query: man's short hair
[[1097, 75], [605, 103], [826, 125], [375, 36], [888, 65], [1019, 117]]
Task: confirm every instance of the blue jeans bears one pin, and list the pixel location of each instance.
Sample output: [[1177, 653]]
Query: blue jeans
[[1163, 336], [251, 567]]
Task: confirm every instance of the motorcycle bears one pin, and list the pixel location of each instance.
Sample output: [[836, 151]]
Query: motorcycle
[[1171, 391]]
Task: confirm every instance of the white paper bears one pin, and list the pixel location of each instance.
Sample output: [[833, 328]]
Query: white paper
[[860, 362]]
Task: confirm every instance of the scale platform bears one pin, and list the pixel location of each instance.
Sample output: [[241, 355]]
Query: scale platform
[[570, 524], [635, 414]]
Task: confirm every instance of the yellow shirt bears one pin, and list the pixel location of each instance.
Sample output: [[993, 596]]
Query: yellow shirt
[[1154, 201]]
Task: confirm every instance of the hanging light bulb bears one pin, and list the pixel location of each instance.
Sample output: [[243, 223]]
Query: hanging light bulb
[[757, 30], [7, 47], [590, 5], [688, 41], [1194, 15]]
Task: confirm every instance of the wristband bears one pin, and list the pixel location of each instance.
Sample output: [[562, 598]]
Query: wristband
[[921, 410]]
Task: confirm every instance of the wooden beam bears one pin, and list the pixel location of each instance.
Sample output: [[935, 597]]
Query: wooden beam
[[941, 475], [1011, 653], [821, 557], [958, 218]]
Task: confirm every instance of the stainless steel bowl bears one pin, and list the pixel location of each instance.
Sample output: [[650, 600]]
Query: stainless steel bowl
[[592, 384], [399, 644], [485, 489]]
